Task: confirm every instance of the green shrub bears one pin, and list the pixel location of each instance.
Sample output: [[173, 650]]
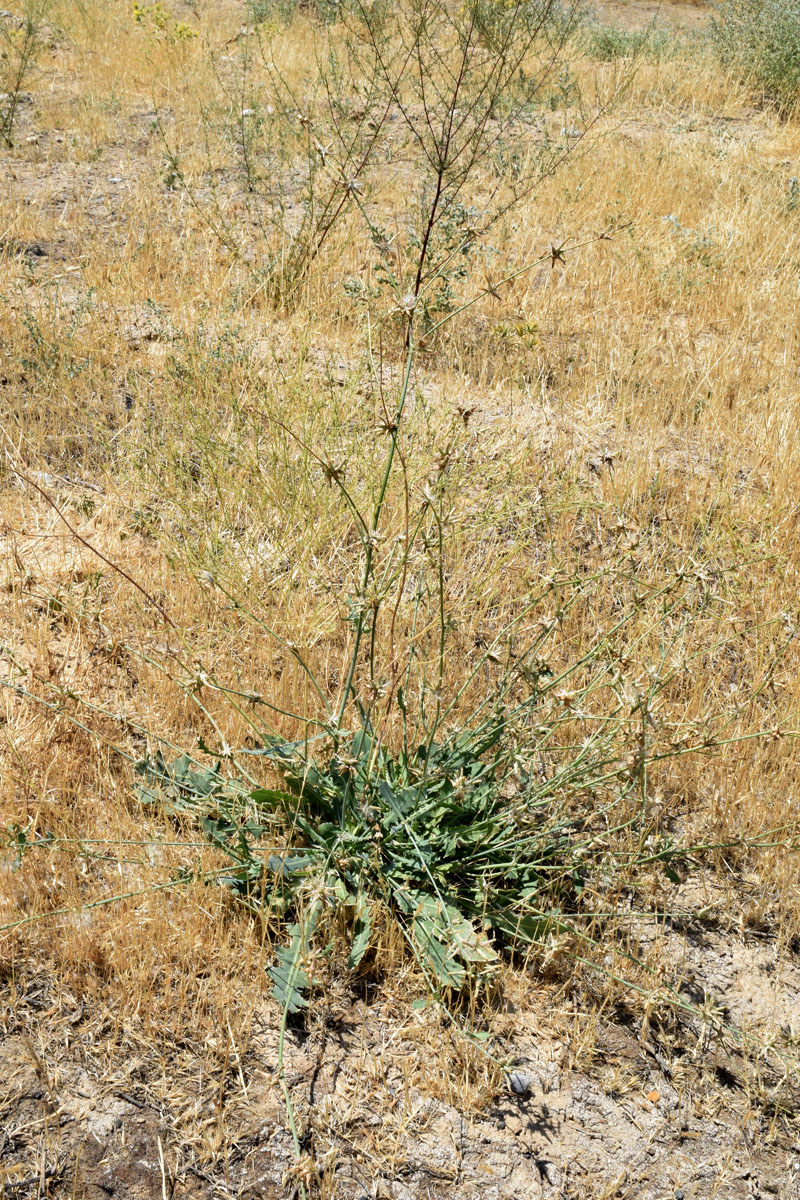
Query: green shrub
[[21, 38], [281, 12], [476, 837], [760, 41], [608, 44]]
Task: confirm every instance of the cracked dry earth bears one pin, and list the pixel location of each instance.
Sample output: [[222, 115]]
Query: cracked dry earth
[[377, 1107]]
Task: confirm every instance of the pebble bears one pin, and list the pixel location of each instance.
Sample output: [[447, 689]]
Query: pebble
[[520, 1083]]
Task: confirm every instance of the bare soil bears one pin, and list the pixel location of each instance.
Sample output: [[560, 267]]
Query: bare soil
[[648, 1114]]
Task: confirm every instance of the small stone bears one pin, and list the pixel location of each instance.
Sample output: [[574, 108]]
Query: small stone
[[678, 1193], [520, 1083]]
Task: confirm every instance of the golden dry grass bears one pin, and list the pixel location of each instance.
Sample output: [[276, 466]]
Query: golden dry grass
[[146, 386]]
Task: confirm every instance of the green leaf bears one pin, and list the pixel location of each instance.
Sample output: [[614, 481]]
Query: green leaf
[[290, 976], [362, 933], [450, 945], [520, 928], [287, 865], [177, 786], [270, 798]]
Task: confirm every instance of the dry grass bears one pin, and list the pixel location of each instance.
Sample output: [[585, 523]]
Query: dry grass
[[145, 386]]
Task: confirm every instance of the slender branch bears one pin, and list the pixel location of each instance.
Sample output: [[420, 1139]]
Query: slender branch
[[94, 550]]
